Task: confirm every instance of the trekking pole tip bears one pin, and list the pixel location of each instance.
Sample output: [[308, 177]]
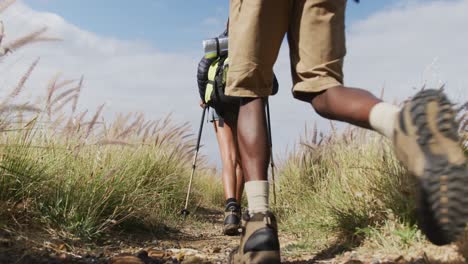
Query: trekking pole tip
[[185, 213]]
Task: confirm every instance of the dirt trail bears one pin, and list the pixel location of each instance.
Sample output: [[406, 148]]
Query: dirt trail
[[199, 241], [193, 241]]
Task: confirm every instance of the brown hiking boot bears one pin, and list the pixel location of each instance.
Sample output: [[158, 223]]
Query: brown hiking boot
[[427, 142], [232, 219], [259, 241]]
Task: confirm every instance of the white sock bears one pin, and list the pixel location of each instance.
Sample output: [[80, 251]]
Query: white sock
[[382, 118], [257, 196]]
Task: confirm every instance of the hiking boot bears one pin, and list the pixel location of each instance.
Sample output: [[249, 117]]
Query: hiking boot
[[259, 240], [232, 219], [427, 142]]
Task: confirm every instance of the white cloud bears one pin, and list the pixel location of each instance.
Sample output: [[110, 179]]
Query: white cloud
[[416, 43], [132, 75], [400, 48]]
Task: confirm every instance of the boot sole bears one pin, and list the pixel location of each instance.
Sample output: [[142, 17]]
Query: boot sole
[[443, 188], [231, 230]]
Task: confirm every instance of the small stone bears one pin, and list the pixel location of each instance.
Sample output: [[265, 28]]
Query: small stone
[[156, 254]]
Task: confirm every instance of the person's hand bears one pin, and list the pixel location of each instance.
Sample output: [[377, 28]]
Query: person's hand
[[202, 104]]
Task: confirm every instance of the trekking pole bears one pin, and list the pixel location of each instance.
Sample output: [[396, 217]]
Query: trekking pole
[[270, 142], [185, 212]]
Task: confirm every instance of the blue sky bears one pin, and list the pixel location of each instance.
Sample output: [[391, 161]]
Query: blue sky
[[169, 25]]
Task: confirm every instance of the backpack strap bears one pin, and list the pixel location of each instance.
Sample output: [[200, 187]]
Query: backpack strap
[[211, 82], [202, 75], [219, 77]]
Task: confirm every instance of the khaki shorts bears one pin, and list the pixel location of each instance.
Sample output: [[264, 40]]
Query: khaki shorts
[[316, 36]]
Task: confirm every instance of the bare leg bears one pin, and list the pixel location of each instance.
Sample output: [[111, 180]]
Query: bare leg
[[252, 137], [239, 173], [341, 103], [228, 149], [239, 182]]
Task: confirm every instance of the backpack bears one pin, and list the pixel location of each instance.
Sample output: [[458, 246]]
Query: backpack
[[211, 79]]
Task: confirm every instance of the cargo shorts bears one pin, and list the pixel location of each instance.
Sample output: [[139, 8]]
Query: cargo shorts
[[316, 36]]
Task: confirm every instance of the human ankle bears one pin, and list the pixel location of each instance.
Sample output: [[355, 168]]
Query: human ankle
[[257, 196], [382, 118]]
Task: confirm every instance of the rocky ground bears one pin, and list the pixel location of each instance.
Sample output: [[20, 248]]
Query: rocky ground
[[191, 242]]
